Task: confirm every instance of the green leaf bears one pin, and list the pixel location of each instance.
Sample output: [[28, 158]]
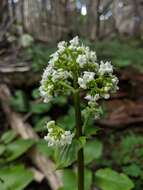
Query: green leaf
[[88, 179], [43, 148], [130, 150], [108, 179], [39, 108], [8, 136], [91, 130], [17, 148], [19, 101], [92, 150], [70, 180], [40, 125], [2, 149], [60, 100], [36, 93], [133, 170], [66, 155], [68, 121], [15, 178], [82, 140]]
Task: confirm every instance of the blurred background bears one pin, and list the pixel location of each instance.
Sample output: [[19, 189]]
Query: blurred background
[[29, 32]]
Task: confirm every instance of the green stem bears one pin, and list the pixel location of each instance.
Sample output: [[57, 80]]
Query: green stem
[[80, 156], [67, 86]]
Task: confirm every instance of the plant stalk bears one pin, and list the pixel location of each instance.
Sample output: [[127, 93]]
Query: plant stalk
[[80, 156]]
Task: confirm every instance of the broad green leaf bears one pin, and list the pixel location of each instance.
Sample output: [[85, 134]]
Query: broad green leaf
[[15, 178], [39, 108], [70, 180], [42, 146], [8, 136], [40, 125], [92, 150], [108, 179], [67, 121], [17, 148], [66, 155]]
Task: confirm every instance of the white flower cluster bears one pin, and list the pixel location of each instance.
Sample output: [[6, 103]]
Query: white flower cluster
[[74, 59], [85, 79], [51, 79], [99, 84], [57, 136], [87, 58]]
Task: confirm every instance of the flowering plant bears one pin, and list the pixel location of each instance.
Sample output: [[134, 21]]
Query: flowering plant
[[74, 69]]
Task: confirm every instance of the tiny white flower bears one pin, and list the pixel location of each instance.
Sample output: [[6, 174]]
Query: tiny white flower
[[55, 57], [67, 132], [63, 136], [50, 130], [81, 60], [88, 76], [106, 96], [50, 143], [50, 124], [46, 137], [106, 88], [115, 80], [92, 98], [105, 68], [91, 55], [88, 97], [74, 41], [47, 99], [82, 83], [61, 46]]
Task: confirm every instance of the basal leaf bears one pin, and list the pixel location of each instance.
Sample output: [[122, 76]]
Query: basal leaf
[[17, 148], [108, 179], [15, 178]]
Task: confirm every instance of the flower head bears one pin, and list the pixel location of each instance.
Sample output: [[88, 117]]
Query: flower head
[[75, 62], [57, 136]]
